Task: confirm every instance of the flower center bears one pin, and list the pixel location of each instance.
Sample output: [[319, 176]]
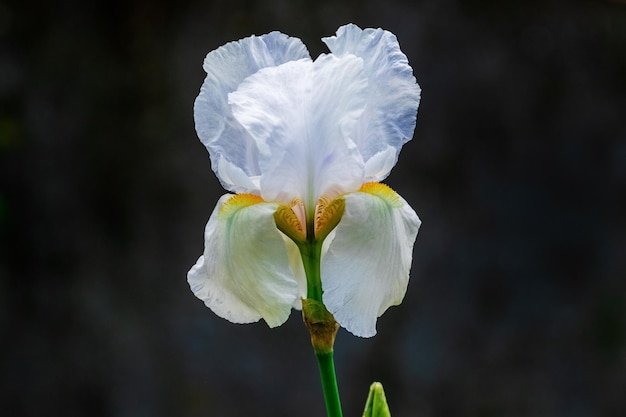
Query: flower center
[[292, 220]]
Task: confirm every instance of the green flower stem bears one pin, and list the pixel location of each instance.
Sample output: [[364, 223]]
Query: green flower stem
[[321, 324], [311, 252], [323, 329], [329, 384]]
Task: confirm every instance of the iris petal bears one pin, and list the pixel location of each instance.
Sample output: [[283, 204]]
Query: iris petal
[[245, 272], [301, 115], [366, 267], [226, 67], [393, 94]]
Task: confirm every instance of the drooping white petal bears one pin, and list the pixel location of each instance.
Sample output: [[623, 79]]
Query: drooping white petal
[[244, 274], [301, 115], [366, 267], [226, 67], [393, 96], [295, 260]]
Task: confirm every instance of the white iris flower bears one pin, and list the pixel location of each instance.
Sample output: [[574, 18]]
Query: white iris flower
[[304, 143]]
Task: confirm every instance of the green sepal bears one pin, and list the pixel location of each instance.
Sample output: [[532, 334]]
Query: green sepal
[[376, 404]]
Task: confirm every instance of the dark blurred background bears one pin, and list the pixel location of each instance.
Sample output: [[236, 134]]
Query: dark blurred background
[[517, 302]]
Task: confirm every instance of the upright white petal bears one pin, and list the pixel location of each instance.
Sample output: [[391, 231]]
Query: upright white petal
[[226, 67], [393, 97], [245, 272], [229, 173], [301, 115], [379, 165], [366, 267]]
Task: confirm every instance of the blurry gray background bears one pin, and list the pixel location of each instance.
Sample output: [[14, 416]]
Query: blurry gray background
[[517, 301]]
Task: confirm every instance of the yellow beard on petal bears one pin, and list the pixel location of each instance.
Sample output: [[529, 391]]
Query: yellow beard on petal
[[239, 201], [382, 191]]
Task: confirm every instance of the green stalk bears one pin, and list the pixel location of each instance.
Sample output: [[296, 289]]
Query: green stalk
[[311, 253], [320, 322], [322, 327], [329, 384]]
